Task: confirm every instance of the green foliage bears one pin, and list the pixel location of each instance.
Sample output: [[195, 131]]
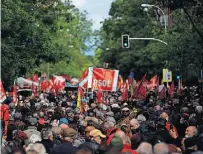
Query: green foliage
[[184, 53], [35, 33]]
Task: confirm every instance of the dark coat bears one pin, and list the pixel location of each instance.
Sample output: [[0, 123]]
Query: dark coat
[[48, 144], [64, 148]]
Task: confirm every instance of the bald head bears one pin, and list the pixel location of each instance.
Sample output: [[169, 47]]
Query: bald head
[[145, 148], [161, 148], [134, 124], [164, 115], [191, 131]]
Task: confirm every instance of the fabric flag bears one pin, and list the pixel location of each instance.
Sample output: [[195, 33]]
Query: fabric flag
[[120, 82], [99, 96], [2, 92], [34, 91], [29, 78], [35, 78], [180, 86], [14, 93], [162, 92], [152, 83], [130, 78], [80, 95], [59, 82], [132, 87], [157, 86], [125, 93], [84, 75], [171, 90], [140, 91]]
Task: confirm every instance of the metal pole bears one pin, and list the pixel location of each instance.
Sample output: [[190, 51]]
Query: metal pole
[[163, 14], [149, 39], [48, 70]]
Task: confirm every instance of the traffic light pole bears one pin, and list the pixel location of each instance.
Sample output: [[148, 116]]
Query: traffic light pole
[[149, 39]]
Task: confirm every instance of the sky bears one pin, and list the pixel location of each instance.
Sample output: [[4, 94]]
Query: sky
[[97, 10]]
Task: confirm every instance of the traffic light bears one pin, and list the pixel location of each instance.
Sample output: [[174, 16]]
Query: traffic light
[[125, 41]]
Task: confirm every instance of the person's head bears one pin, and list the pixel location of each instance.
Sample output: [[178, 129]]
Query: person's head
[[134, 124], [126, 111], [164, 115], [161, 148], [145, 148], [32, 121], [117, 143], [97, 136], [69, 134], [41, 114], [46, 133], [125, 128], [191, 131], [123, 136], [88, 129], [141, 118], [57, 131], [36, 148]]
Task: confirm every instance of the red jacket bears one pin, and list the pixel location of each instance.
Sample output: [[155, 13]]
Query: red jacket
[[4, 115]]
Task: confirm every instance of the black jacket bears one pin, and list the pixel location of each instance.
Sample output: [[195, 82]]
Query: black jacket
[[64, 148]]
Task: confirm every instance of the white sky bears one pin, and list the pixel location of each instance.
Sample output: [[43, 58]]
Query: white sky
[[97, 9]]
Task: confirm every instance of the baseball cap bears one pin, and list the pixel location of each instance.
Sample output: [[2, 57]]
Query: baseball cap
[[96, 132], [125, 109], [63, 121]]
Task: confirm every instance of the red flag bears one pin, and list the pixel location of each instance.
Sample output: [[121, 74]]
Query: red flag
[[125, 93], [152, 83], [14, 93], [29, 78], [140, 91], [162, 92], [99, 96], [81, 92], [34, 91], [84, 75], [171, 90], [35, 78], [2, 92], [120, 82], [180, 86], [59, 82]]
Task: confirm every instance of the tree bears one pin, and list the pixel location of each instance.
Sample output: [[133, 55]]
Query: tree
[[184, 40]]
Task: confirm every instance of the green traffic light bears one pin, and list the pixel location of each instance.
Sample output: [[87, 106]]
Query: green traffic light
[[125, 44]]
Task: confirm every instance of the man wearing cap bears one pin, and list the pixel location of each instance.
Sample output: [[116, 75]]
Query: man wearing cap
[[96, 136], [67, 146]]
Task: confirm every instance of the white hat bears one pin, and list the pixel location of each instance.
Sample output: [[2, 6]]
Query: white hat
[[115, 106], [125, 104], [125, 109]]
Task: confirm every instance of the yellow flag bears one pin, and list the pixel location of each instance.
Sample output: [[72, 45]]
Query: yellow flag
[[79, 101]]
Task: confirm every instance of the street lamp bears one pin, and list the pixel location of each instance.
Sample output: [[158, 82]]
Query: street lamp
[[148, 5]]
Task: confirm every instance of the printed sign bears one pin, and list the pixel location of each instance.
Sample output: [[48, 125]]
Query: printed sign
[[102, 79]]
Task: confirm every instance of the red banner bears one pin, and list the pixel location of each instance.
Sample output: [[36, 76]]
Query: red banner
[[2, 93], [102, 79]]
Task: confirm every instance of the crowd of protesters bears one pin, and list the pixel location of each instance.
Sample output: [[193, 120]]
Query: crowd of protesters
[[53, 124]]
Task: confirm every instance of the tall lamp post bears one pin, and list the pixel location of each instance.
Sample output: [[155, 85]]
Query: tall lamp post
[[148, 6]]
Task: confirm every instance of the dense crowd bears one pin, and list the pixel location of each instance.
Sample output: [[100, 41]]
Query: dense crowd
[[53, 124]]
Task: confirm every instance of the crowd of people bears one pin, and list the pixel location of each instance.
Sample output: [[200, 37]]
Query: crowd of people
[[51, 124]]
